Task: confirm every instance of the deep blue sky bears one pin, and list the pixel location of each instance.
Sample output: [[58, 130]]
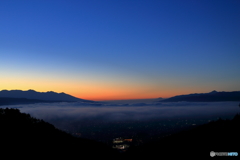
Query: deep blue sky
[[120, 49]]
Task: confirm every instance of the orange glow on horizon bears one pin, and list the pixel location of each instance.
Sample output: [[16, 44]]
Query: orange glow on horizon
[[121, 96], [105, 97], [97, 91]]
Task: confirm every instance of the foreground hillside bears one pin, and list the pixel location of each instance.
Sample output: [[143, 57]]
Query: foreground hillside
[[217, 136], [27, 137]]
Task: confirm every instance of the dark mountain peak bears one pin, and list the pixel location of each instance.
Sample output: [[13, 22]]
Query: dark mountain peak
[[214, 91], [51, 92], [31, 90]]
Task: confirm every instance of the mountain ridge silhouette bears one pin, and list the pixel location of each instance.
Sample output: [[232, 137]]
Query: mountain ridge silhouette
[[44, 96], [213, 96]]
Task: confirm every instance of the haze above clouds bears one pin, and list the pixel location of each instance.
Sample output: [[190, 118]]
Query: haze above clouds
[[111, 112]]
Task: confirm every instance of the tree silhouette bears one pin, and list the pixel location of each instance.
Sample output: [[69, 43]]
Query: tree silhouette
[[25, 136]]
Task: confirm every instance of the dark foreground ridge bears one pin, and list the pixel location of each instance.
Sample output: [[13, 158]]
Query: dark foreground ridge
[[26, 137], [213, 96], [198, 142]]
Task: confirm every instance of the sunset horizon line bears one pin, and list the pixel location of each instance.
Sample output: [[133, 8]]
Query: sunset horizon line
[[113, 99]]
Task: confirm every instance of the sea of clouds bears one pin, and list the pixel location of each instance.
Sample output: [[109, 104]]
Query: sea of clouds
[[129, 111]]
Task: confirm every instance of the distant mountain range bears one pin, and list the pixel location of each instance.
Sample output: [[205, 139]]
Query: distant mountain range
[[31, 96], [213, 96]]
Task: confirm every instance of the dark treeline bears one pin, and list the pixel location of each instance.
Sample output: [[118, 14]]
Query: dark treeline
[[26, 137]]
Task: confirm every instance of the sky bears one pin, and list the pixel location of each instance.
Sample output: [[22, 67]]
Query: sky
[[120, 49]]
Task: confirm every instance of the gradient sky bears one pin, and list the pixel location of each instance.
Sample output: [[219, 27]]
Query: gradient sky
[[120, 49]]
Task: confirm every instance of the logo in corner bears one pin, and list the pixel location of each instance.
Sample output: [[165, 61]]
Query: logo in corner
[[212, 154]]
